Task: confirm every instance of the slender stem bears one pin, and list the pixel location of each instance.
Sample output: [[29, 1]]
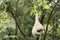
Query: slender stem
[[48, 22], [13, 13], [42, 17], [37, 38], [41, 21]]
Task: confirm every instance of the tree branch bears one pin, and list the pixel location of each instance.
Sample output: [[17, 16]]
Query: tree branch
[[49, 22], [13, 13]]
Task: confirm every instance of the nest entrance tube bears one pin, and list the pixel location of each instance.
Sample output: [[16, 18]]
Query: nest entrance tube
[[37, 28]]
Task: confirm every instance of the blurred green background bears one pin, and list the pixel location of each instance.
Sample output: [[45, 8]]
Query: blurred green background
[[17, 19]]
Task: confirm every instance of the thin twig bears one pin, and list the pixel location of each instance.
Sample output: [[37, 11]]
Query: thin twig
[[13, 13], [49, 22], [17, 24], [37, 38], [42, 17]]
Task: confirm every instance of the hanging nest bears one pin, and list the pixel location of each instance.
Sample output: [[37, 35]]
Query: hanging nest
[[37, 28]]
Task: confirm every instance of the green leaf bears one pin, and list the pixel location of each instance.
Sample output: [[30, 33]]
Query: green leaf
[[46, 6]]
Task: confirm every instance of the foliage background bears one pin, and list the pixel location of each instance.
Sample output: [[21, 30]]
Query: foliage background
[[17, 19]]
